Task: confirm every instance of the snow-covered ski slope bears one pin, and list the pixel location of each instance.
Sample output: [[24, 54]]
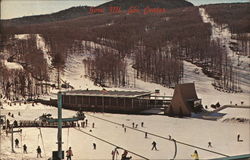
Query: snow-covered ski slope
[[223, 34], [74, 72], [196, 132], [75, 75]]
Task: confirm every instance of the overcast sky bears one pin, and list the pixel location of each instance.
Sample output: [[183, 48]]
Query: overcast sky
[[20, 8]]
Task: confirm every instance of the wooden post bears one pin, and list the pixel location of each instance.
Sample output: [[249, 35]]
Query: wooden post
[[132, 103], [102, 104], [124, 103], [12, 138]]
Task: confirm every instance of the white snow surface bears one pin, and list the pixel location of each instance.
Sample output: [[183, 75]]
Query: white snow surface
[[22, 36], [196, 132], [12, 65]]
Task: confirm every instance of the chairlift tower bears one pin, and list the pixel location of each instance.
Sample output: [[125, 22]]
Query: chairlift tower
[[59, 154], [59, 136]]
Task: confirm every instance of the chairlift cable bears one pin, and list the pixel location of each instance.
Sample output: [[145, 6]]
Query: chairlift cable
[[159, 136]]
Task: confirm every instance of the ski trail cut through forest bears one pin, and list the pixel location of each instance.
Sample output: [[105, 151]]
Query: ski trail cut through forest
[[159, 136], [223, 34]]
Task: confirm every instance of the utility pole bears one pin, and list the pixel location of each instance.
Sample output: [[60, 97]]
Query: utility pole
[[1, 126], [59, 134]]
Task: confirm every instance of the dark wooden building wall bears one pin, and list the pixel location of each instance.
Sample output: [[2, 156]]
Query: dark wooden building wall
[[105, 104]]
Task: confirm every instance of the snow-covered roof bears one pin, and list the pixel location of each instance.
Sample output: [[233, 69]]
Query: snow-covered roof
[[107, 93]]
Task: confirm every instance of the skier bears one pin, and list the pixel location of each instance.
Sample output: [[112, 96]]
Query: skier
[[169, 137], [142, 124], [195, 155], [146, 135], [125, 129], [69, 154], [93, 125], [39, 151], [136, 125], [16, 143], [154, 146], [15, 123], [209, 144], [124, 156], [133, 125], [94, 146], [8, 124], [114, 153], [25, 149], [238, 138], [86, 121]]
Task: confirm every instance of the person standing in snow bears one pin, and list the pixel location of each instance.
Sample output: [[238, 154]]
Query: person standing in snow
[[86, 121], [25, 149], [39, 152], [94, 146], [195, 155], [69, 154], [142, 124], [146, 134], [209, 144], [114, 153], [16, 143], [154, 146]]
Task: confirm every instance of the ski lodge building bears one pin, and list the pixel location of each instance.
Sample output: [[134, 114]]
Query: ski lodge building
[[184, 100], [109, 101]]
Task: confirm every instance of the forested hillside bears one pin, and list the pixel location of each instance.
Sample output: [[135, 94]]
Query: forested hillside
[[155, 45]]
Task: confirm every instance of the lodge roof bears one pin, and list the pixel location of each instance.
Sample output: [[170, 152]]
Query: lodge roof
[[187, 91], [107, 93]]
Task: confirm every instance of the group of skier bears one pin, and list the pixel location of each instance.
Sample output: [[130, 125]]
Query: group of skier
[[38, 150], [136, 125]]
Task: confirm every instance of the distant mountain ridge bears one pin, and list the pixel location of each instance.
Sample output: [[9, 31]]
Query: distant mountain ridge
[[167, 4], [75, 12]]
